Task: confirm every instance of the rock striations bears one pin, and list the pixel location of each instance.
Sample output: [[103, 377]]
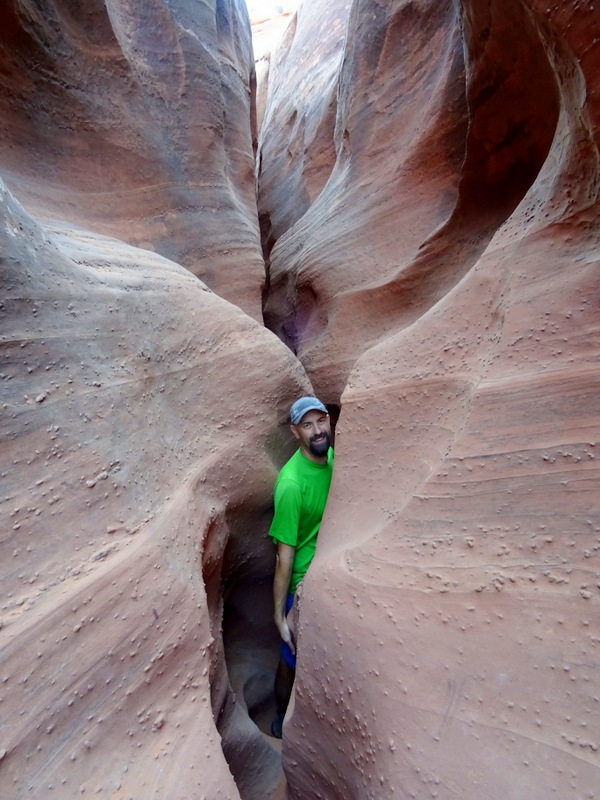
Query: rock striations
[[141, 412], [133, 119], [428, 176], [444, 284]]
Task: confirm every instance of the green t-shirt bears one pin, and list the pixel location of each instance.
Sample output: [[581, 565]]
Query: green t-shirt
[[300, 495]]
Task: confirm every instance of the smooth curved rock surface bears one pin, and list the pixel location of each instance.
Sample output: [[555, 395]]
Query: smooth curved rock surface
[[413, 196], [132, 119], [297, 153], [429, 208], [140, 428], [444, 283]]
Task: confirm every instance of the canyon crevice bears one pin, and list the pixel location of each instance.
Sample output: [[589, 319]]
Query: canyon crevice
[[405, 222]]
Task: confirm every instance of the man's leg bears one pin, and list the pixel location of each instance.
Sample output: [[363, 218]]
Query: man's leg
[[284, 678], [284, 682]]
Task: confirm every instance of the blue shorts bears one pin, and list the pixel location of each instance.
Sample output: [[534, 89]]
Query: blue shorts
[[286, 653]]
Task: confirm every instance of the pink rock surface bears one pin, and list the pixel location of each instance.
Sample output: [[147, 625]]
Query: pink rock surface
[[131, 118], [429, 180], [142, 413], [266, 35], [412, 184], [297, 152], [140, 418], [443, 286], [137, 411]]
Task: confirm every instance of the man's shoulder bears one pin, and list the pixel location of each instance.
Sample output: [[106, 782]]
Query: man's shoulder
[[288, 486], [290, 469]]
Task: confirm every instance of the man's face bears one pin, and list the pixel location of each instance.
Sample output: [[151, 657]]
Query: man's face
[[314, 434]]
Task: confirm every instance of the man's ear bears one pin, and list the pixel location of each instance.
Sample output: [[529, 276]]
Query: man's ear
[[294, 431]]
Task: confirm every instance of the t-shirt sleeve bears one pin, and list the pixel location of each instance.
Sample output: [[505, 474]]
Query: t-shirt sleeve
[[288, 503]]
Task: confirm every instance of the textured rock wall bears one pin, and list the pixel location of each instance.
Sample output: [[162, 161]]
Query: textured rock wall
[[124, 116], [137, 407], [141, 412], [298, 149], [444, 284], [428, 179]]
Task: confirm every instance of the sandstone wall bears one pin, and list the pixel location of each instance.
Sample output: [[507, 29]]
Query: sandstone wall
[[428, 176], [142, 414], [443, 287], [131, 118], [140, 419]]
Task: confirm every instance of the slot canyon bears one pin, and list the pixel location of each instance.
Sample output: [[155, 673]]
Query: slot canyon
[[396, 208]]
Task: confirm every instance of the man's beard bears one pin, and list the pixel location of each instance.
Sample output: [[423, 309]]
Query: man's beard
[[321, 447]]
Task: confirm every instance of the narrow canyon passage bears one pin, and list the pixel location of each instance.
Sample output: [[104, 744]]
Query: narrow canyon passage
[[396, 209]]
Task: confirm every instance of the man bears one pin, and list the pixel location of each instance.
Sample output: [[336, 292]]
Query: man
[[300, 495]]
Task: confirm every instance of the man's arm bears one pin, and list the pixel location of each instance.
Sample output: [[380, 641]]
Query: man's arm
[[281, 582]]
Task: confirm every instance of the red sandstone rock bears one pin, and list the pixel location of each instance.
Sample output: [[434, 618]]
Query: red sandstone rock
[[131, 119], [298, 152], [412, 198], [445, 284], [141, 411], [435, 265], [139, 431]]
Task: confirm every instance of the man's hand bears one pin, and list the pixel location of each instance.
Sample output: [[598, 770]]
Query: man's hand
[[281, 583], [286, 634]]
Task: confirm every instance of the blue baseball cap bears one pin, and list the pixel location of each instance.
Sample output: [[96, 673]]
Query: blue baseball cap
[[302, 406]]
